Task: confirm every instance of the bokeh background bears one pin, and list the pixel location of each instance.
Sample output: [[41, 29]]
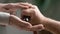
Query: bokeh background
[[49, 8]]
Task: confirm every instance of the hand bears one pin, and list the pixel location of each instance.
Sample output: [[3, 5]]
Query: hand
[[17, 22], [36, 16], [33, 12]]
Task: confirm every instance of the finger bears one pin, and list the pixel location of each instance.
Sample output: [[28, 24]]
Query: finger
[[37, 27], [22, 6], [20, 27], [7, 7], [11, 11], [25, 24], [17, 5], [10, 6], [23, 27], [28, 4], [25, 12]]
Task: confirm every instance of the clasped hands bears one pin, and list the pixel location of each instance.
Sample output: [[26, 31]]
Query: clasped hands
[[28, 9]]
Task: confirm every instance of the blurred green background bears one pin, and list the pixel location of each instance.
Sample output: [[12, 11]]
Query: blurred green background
[[49, 8]]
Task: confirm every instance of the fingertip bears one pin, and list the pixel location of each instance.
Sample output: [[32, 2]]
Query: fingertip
[[37, 27], [40, 26]]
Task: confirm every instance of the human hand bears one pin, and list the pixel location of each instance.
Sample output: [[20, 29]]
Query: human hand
[[32, 11], [36, 16], [20, 24]]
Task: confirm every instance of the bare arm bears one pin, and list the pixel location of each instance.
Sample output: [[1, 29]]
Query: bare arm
[[52, 25]]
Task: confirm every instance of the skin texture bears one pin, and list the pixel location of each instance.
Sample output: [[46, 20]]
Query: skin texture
[[38, 20], [18, 22]]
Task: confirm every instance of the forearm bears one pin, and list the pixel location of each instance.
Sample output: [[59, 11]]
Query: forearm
[[52, 25]]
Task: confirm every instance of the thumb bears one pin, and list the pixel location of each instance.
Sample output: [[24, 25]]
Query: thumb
[[38, 27]]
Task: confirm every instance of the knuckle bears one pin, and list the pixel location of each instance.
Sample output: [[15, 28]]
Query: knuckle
[[10, 3]]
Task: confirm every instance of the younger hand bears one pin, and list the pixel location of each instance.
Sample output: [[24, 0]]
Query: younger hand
[[35, 14], [32, 11]]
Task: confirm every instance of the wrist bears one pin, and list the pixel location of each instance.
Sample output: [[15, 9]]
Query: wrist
[[44, 20], [41, 18]]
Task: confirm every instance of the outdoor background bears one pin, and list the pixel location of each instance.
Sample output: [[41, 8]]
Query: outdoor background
[[49, 8]]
